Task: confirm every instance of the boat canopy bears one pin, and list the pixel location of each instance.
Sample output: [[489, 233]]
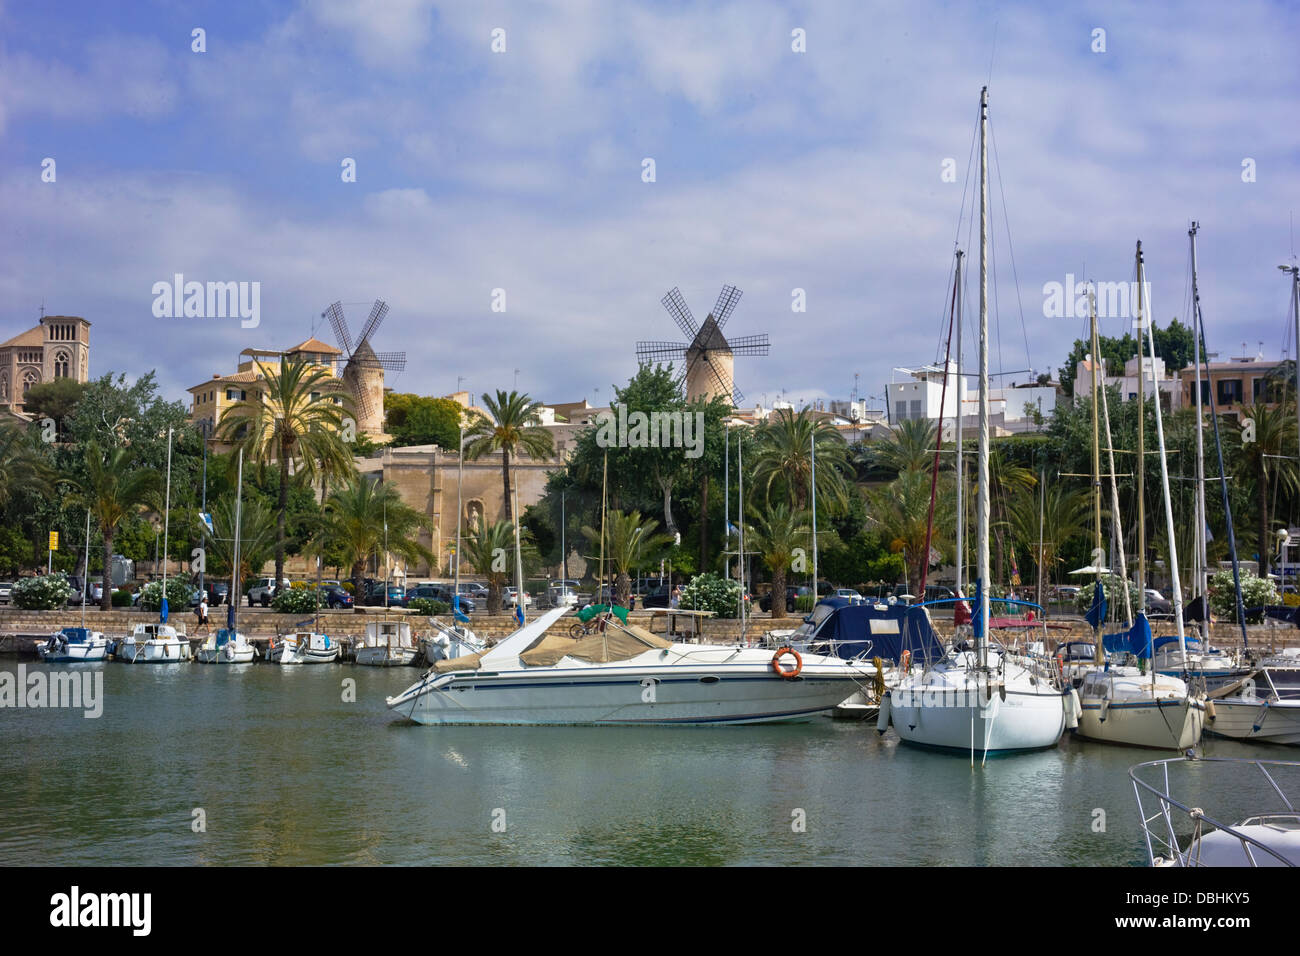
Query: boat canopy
[[881, 630], [615, 644], [75, 635], [1136, 640]]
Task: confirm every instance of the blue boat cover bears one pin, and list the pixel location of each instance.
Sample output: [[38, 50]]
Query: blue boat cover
[[880, 630], [76, 635], [1135, 641], [1097, 613]]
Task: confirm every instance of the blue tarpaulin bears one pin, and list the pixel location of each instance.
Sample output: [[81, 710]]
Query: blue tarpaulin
[[1097, 613], [883, 631]]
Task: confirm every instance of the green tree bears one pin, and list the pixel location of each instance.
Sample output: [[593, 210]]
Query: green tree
[[900, 514], [365, 519], [295, 420], [420, 420], [488, 547], [779, 534], [256, 539], [114, 489], [630, 543], [909, 448], [783, 459], [513, 429], [21, 463], [1264, 446], [56, 400]]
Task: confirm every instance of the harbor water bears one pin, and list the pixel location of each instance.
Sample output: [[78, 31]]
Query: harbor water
[[264, 765]]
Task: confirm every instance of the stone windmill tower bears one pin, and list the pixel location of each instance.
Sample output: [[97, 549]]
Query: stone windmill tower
[[708, 358], [363, 367]]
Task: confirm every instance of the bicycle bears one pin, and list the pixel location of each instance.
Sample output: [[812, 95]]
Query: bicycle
[[596, 625]]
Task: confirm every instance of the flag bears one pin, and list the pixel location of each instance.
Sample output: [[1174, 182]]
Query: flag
[[1015, 570], [207, 520]]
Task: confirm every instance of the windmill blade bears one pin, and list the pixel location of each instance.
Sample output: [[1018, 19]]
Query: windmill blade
[[648, 353], [724, 386], [676, 307], [726, 304], [390, 361], [373, 321], [340, 326], [750, 345]]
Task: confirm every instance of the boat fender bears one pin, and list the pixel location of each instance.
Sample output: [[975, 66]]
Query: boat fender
[[1209, 709], [1072, 709], [882, 716], [1105, 706], [780, 670], [1002, 691]]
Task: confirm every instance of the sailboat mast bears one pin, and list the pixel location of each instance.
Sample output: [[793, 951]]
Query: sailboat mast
[[961, 470], [1116, 522], [1141, 466], [233, 601], [167, 510], [1201, 570], [812, 441], [1175, 584], [1096, 462], [85, 576], [982, 471]]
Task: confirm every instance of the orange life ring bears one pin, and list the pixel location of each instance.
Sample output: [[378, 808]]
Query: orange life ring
[[781, 671]]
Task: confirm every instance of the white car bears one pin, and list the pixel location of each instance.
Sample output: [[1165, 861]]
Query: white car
[[6, 591], [509, 598], [853, 596], [557, 596]]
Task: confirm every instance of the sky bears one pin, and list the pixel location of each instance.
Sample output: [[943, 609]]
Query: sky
[[503, 146]]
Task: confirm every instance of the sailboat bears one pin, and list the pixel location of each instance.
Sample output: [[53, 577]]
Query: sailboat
[[1119, 704], [387, 644], [71, 645], [228, 645], [980, 699], [1264, 703], [159, 643]]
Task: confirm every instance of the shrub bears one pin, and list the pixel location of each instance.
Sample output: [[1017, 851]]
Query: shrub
[[178, 595], [804, 602], [122, 598], [301, 585], [710, 592], [296, 600], [1255, 591], [429, 607], [349, 587], [1111, 584], [46, 593]]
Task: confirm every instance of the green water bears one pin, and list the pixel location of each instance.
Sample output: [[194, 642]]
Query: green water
[[287, 772]]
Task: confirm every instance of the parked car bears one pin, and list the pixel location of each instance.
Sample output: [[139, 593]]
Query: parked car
[[510, 597], [392, 595], [561, 595], [1067, 592], [440, 592], [263, 590], [6, 591], [94, 591], [791, 594], [333, 596], [661, 596], [851, 594], [218, 592], [474, 589], [1158, 605]]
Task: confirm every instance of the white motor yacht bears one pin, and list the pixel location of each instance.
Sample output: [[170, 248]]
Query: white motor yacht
[[625, 675]]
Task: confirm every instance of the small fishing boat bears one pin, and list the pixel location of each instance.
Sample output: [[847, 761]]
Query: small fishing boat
[[71, 645], [1267, 838], [153, 644], [387, 644], [226, 646], [303, 647]]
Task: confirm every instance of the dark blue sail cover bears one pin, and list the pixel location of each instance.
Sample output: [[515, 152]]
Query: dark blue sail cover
[[878, 630], [1097, 613], [1135, 641]]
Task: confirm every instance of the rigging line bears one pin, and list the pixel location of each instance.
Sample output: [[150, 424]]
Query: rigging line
[[961, 215], [1011, 252]]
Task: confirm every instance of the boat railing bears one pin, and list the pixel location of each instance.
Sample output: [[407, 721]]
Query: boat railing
[[1159, 826]]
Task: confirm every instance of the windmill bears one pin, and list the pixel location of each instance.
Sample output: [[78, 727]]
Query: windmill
[[708, 359], [363, 367]]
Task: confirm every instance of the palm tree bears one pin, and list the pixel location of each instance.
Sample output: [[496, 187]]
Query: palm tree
[[1265, 445], [363, 520], [294, 419], [900, 512], [21, 465], [487, 548], [783, 459], [114, 489], [1066, 512], [909, 447], [515, 427], [256, 538], [1006, 480], [630, 543], [777, 534]]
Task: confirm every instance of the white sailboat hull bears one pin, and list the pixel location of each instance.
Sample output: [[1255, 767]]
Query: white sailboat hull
[[227, 654], [73, 653], [1241, 718], [313, 649], [1024, 721], [158, 651], [386, 657]]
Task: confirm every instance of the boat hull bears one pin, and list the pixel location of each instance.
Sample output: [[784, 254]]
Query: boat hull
[[1164, 724], [386, 657], [174, 651], [1243, 719], [1021, 722], [74, 653], [225, 655], [594, 696]]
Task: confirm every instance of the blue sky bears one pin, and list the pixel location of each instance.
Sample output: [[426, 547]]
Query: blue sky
[[521, 170]]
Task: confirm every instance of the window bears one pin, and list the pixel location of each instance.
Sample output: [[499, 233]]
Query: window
[[900, 411], [61, 365], [1229, 391], [916, 408]]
